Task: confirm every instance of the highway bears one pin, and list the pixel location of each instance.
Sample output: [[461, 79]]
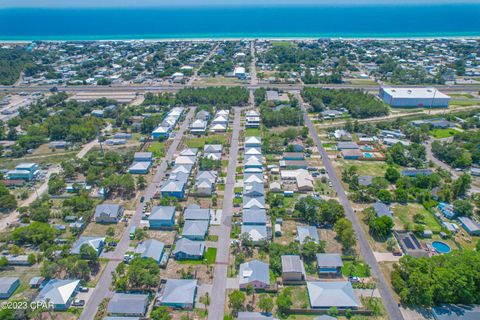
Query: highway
[[176, 87], [217, 305], [102, 289], [366, 252]]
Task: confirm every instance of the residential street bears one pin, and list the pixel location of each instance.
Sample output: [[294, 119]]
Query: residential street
[[365, 250], [216, 309], [102, 289]]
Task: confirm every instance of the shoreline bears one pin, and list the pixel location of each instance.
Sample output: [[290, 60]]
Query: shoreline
[[250, 38]]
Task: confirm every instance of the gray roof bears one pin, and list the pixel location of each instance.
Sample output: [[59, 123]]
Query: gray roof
[[256, 232], [208, 175], [143, 155], [307, 231], [324, 317], [254, 271], [365, 180], [347, 145], [111, 209], [151, 248], [254, 216], [121, 318], [272, 95], [456, 312], [253, 203], [58, 291], [292, 263], [6, 283], [162, 213], [254, 189], [382, 209], [126, 303], [326, 294], [93, 241], [189, 247], [195, 228], [194, 212], [179, 291], [469, 224], [329, 260]]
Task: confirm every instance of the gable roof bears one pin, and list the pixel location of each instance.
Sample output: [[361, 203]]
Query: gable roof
[[6, 283], [329, 260], [257, 232], [162, 213], [193, 212], [382, 209], [127, 303], [255, 216], [195, 228], [292, 263], [179, 291], [93, 241], [110, 209], [151, 248], [58, 291], [189, 247], [307, 231]]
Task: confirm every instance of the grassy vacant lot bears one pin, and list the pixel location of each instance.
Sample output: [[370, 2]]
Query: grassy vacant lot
[[356, 269], [158, 149], [252, 132], [200, 142], [443, 133], [300, 297], [371, 168], [404, 216], [461, 95], [464, 102]]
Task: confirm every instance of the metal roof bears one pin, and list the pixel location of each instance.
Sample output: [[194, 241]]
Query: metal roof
[[325, 294]]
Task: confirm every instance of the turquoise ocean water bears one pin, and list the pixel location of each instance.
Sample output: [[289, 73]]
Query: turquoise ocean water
[[451, 20]]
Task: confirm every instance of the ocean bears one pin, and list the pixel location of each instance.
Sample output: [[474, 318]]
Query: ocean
[[367, 21]]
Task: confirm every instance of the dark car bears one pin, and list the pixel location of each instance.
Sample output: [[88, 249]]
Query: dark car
[[142, 199]]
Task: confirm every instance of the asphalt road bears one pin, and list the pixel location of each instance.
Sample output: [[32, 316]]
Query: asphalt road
[[102, 289], [216, 308], [176, 87], [367, 253]]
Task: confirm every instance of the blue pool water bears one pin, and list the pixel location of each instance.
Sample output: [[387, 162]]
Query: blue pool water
[[368, 155], [368, 148], [441, 247], [357, 21]]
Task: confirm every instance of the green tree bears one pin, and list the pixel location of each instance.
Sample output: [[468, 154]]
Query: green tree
[[381, 226], [392, 174], [284, 300], [265, 303], [463, 208], [160, 313], [236, 299]]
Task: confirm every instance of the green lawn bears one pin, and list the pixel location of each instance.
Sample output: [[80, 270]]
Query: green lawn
[[212, 237], [210, 257], [461, 95], [200, 142], [356, 269], [443, 133], [371, 168], [464, 102], [405, 213], [158, 149], [252, 132]]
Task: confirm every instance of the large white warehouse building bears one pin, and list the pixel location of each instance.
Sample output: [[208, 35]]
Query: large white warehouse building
[[414, 97]]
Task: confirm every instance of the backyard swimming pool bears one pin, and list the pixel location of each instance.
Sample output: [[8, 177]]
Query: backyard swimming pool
[[441, 247], [368, 155]]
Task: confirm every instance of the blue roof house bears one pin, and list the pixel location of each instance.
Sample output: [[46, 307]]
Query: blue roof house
[[162, 216], [179, 293], [8, 285], [151, 248], [59, 292], [186, 249], [195, 229]]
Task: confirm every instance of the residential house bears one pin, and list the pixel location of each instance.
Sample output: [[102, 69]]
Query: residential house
[[472, 227], [151, 248], [254, 273], [194, 212], [179, 293], [257, 233], [143, 157], [186, 249], [59, 292], [293, 268], [252, 142], [128, 304], [328, 294], [195, 229], [139, 167], [329, 264], [8, 285], [94, 242], [254, 217], [198, 127], [381, 209], [162, 216], [307, 232], [416, 172], [108, 213]]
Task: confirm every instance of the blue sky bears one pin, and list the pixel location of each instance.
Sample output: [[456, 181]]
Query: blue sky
[[149, 3]]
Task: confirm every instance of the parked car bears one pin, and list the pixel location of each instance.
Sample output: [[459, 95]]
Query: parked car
[[83, 289], [78, 303]]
